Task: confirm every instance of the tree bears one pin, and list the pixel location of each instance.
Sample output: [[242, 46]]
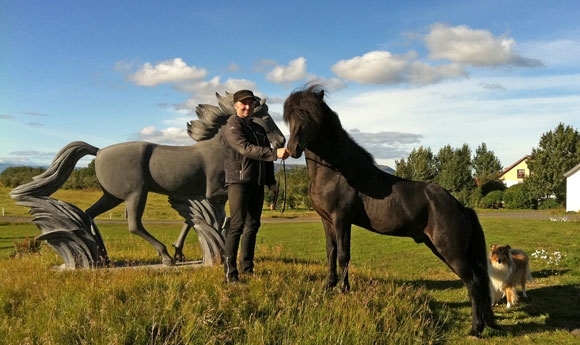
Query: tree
[[82, 178], [558, 152], [403, 169], [420, 165], [16, 176], [454, 169], [487, 170], [294, 187], [486, 165]]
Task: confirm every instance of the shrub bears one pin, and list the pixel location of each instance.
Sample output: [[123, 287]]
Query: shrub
[[549, 204], [518, 197], [492, 200], [27, 246], [492, 185], [475, 198]]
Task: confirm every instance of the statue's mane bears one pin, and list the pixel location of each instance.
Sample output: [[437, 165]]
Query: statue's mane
[[212, 118]]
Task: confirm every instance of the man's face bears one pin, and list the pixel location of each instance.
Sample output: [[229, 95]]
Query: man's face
[[245, 107]]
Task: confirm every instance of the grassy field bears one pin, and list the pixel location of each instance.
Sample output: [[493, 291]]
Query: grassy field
[[401, 294]]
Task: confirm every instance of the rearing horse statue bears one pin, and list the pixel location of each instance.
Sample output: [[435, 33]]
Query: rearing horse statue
[[192, 176]]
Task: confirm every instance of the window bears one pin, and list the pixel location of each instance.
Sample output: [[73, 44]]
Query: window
[[521, 173]]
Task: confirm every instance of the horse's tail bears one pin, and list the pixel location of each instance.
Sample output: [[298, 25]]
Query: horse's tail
[[57, 173], [477, 249]]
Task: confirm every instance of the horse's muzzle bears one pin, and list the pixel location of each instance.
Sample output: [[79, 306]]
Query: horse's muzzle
[[296, 152]]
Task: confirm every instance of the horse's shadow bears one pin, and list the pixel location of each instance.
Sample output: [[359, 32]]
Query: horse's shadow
[[288, 261], [556, 305]]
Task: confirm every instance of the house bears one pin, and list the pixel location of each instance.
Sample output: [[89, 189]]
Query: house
[[516, 172], [573, 189]]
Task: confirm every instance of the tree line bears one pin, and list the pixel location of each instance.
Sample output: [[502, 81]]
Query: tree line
[[475, 181], [472, 179]]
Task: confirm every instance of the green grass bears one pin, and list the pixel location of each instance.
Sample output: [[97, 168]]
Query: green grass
[[401, 293]]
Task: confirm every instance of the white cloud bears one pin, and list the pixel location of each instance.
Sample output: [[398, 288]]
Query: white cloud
[[475, 47], [264, 64], [169, 71], [233, 67], [295, 71], [376, 67], [330, 84], [204, 91], [459, 112], [167, 136], [424, 74], [558, 53]]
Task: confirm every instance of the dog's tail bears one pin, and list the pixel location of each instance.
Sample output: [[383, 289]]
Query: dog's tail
[[529, 274], [478, 259]]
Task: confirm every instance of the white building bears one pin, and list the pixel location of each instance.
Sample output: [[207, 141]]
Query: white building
[[573, 189]]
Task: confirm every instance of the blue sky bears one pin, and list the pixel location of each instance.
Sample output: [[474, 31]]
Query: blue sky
[[400, 74]]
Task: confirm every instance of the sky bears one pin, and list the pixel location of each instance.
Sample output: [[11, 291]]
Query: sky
[[400, 74]]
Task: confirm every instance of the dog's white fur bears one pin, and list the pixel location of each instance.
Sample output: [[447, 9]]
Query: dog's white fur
[[508, 267]]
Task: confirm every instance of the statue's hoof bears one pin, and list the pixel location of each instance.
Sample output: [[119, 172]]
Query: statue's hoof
[[168, 262], [179, 257]]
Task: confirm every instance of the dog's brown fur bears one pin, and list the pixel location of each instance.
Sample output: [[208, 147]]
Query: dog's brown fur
[[507, 268]]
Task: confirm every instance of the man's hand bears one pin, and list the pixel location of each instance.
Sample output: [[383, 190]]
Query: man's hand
[[282, 153]]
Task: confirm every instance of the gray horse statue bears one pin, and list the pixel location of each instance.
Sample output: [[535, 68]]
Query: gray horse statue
[[192, 176]]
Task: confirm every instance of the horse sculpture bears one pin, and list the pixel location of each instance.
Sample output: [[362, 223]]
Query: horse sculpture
[[346, 187], [129, 171]]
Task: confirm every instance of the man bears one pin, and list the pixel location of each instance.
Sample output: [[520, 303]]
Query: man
[[248, 168]]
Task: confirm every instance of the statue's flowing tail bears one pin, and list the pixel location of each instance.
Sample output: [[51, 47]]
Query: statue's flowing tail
[[67, 229], [59, 171]]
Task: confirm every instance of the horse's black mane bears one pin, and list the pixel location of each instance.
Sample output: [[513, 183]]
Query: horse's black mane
[[307, 106], [212, 118]]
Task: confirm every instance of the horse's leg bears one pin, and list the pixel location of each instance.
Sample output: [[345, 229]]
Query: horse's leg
[[343, 230], [135, 206], [456, 236], [331, 254], [457, 261]]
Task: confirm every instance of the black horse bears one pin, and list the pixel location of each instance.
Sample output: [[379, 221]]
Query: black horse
[[346, 187]]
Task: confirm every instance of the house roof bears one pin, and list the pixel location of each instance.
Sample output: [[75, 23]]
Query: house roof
[[572, 171], [515, 164]]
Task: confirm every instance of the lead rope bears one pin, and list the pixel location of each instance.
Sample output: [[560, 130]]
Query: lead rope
[[284, 172]]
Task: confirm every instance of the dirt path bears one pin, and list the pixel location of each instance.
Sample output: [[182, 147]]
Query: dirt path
[[519, 214]]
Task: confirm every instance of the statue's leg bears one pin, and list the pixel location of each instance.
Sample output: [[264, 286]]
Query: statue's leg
[[178, 245], [135, 207], [104, 204]]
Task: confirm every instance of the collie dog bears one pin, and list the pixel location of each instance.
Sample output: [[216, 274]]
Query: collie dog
[[507, 268]]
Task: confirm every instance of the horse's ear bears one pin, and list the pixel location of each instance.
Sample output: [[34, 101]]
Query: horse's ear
[[320, 94]]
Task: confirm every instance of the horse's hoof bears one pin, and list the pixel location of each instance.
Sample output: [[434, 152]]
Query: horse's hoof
[[330, 285], [475, 334]]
